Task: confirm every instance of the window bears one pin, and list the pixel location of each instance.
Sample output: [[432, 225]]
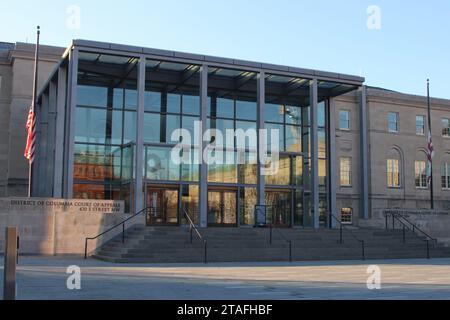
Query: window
[[446, 127], [346, 178], [393, 173], [445, 176], [420, 125], [393, 119], [344, 120], [347, 216], [421, 174]]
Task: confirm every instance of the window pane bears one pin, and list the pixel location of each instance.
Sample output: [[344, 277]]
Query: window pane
[[173, 103], [159, 165], [92, 96], [344, 117], [293, 139], [346, 171], [321, 114], [225, 108], [283, 176], [248, 200], [245, 110], [93, 125], [278, 128], [274, 113], [129, 130], [152, 101], [190, 171], [172, 124], [97, 163], [152, 127], [191, 105], [293, 115]]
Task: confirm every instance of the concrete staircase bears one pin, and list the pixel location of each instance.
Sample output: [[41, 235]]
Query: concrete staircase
[[172, 245]]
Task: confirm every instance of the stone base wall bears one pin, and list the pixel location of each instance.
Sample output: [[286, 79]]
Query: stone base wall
[[436, 223], [60, 227]]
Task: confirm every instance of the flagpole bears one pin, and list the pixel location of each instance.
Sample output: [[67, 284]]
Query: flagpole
[[33, 103], [430, 160]]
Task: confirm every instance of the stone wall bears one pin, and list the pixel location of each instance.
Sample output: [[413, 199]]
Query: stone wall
[[436, 223], [59, 227]]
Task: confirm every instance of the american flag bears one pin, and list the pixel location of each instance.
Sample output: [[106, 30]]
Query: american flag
[[31, 136], [430, 155]]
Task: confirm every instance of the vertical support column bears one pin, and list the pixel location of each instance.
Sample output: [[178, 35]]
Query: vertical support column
[[262, 143], [314, 154], [9, 278], [50, 165], [43, 144], [332, 161], [364, 158], [139, 153], [59, 138], [71, 107], [203, 201]]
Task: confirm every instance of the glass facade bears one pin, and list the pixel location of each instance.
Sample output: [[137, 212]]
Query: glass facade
[[113, 110], [105, 127]]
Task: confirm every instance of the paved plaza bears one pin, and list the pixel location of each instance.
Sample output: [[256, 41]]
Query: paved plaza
[[45, 278]]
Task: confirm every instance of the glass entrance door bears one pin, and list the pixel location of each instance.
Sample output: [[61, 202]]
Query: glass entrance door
[[164, 206], [278, 210], [222, 207]]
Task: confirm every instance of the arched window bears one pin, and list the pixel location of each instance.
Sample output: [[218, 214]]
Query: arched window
[[445, 172], [393, 168], [421, 170]]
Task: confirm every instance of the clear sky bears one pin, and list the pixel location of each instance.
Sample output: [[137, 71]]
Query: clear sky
[[407, 42]]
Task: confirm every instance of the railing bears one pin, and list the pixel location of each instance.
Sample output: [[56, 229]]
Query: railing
[[193, 229], [341, 236], [261, 212], [408, 225], [271, 228], [147, 212]]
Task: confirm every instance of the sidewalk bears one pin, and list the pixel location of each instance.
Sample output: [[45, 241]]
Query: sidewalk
[[44, 278]]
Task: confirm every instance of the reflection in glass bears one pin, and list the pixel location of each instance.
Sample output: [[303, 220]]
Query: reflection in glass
[[298, 213], [159, 165], [248, 200], [278, 210], [283, 175], [190, 202]]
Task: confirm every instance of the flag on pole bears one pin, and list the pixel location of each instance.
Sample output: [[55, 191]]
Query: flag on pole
[[31, 136], [430, 155]]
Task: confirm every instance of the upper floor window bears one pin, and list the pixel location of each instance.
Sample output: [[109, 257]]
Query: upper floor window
[[421, 174], [393, 122], [445, 176], [393, 173], [346, 176], [420, 125], [446, 127], [344, 120]]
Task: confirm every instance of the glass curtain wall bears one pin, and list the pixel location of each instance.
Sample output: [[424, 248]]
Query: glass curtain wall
[[171, 102], [105, 127], [287, 109], [232, 97]]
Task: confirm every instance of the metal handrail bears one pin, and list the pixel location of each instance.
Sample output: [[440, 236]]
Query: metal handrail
[[146, 210], [193, 228], [341, 239], [412, 228], [271, 227]]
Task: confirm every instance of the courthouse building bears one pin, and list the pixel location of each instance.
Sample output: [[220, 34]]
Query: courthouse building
[[106, 113]]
